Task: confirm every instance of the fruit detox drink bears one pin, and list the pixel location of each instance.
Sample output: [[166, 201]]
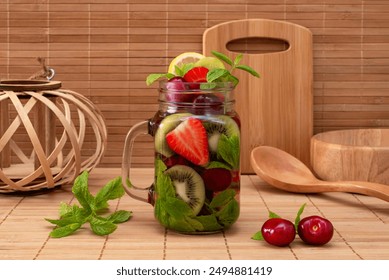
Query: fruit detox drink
[[197, 146]]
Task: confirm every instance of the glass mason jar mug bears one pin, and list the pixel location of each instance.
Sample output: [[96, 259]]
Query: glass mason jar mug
[[197, 150]]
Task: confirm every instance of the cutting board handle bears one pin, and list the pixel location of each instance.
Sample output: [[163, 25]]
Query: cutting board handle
[[258, 28]]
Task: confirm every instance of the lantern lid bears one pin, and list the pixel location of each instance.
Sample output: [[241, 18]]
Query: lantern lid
[[34, 85]]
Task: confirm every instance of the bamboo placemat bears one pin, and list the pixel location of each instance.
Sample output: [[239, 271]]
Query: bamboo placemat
[[360, 222]]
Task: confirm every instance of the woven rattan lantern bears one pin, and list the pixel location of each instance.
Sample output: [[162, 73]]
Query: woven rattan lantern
[[48, 135]]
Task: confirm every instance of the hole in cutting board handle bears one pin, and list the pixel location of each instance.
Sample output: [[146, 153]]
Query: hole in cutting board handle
[[257, 45]]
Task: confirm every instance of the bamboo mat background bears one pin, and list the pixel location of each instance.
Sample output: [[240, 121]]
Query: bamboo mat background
[[361, 227], [104, 49]]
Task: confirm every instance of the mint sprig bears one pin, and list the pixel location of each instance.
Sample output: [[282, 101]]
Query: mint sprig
[[73, 217], [213, 76], [235, 63], [224, 75]]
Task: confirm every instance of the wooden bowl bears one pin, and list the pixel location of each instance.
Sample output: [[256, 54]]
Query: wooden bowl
[[351, 155]]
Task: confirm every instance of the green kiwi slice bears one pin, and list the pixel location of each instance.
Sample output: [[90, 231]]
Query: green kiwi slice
[[189, 186], [217, 126], [168, 124]]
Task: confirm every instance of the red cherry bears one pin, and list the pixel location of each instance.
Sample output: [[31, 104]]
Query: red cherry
[[315, 230], [207, 103], [175, 160], [177, 91], [278, 232], [175, 84], [217, 179]]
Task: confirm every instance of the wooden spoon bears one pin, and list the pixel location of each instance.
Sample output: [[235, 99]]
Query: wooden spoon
[[282, 170]]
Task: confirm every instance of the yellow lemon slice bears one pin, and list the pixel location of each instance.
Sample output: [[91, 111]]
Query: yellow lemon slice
[[184, 58]]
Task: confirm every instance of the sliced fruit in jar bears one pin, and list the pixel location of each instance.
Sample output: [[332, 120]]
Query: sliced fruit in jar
[[175, 160], [189, 139], [177, 91], [175, 84], [168, 124], [217, 179], [182, 59], [207, 104], [197, 75], [210, 63], [189, 186], [217, 126]]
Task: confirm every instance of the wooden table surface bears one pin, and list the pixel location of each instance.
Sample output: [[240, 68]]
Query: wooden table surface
[[361, 227]]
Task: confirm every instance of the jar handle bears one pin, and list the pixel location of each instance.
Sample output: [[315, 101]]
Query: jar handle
[[141, 194]]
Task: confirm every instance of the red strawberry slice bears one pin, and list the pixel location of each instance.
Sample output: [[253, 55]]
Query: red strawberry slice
[[196, 75], [189, 139]]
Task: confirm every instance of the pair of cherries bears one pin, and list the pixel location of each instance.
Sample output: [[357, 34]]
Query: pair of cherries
[[313, 230]]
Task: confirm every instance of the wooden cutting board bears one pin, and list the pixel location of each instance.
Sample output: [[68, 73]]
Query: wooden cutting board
[[276, 109]]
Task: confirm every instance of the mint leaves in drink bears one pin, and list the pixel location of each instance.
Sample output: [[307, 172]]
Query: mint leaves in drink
[[89, 209], [187, 66], [224, 75]]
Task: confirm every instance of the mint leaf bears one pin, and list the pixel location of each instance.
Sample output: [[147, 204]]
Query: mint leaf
[[298, 216], [65, 230], [248, 69], [81, 191], [209, 222], [185, 68], [74, 214], [222, 57], [101, 226], [160, 212], [112, 190], [164, 186], [206, 86], [178, 208], [237, 59], [120, 216], [61, 222], [257, 236], [234, 80], [215, 74], [222, 198], [178, 71], [194, 223], [218, 164], [77, 213], [180, 224], [228, 149], [176, 213], [160, 166], [154, 77], [229, 213], [64, 209]]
